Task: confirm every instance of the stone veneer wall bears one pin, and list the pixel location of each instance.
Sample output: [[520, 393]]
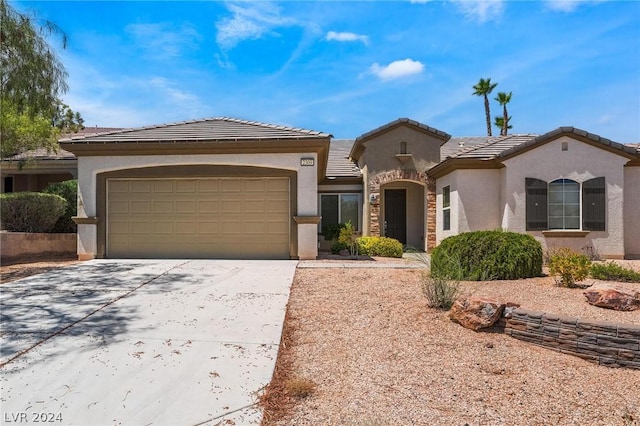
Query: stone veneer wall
[[430, 200], [609, 344]]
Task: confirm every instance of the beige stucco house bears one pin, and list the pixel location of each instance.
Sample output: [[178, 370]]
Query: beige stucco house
[[231, 188]]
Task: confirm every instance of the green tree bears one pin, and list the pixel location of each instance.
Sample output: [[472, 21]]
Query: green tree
[[484, 89], [499, 123], [503, 99], [21, 131], [66, 120], [31, 82]]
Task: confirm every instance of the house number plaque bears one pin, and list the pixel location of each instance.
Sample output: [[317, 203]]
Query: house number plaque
[[307, 161]]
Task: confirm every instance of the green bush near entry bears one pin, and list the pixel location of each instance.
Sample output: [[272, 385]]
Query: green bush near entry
[[487, 255], [380, 246]]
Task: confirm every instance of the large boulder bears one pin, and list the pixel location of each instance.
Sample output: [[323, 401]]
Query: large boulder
[[476, 313], [617, 296]]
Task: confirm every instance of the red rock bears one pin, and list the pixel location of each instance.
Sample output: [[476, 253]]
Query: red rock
[[476, 313], [618, 296]]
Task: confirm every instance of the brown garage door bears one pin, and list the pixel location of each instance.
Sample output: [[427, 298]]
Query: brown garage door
[[245, 218]]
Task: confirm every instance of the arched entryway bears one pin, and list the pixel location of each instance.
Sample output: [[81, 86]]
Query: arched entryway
[[386, 192]]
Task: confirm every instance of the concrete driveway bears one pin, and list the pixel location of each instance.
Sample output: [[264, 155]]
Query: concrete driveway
[[142, 342]]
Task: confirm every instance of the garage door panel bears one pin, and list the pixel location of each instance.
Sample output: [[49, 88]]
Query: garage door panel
[[142, 186], [209, 185], [208, 206], [186, 186], [232, 206], [160, 186], [234, 185], [140, 207], [185, 227], [183, 206], [198, 218], [209, 227]]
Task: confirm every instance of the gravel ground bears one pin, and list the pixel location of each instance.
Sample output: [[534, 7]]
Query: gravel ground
[[380, 356], [27, 267]]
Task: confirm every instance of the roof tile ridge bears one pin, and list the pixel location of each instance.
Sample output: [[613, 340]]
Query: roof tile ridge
[[473, 148], [271, 125]]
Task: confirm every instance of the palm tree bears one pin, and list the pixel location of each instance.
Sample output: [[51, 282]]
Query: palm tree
[[503, 99], [484, 88], [499, 123]]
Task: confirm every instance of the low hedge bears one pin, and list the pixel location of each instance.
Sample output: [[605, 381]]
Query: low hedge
[[30, 211], [487, 255], [69, 191], [611, 271], [380, 246]]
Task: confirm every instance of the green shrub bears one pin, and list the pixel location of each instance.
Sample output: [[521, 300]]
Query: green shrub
[[30, 211], [337, 247], [567, 266], [349, 238], [611, 271], [487, 255], [440, 292], [332, 232], [380, 246], [69, 191]]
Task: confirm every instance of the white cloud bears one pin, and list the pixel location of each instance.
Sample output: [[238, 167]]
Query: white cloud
[[171, 93], [163, 40], [397, 69], [480, 10], [335, 36], [249, 21], [567, 6]]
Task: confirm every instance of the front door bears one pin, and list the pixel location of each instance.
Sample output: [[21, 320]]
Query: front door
[[395, 214]]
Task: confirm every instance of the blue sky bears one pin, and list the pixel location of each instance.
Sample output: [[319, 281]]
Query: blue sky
[[348, 67]]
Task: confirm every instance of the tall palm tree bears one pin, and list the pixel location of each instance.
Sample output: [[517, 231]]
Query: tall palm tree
[[503, 99], [499, 123], [484, 88]]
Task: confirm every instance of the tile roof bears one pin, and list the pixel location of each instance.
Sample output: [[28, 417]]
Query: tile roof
[[394, 123], [208, 129], [339, 164], [457, 144], [42, 154], [635, 146], [492, 147], [573, 132]]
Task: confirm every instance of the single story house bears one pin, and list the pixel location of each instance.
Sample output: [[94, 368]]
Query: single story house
[[230, 188], [33, 170]]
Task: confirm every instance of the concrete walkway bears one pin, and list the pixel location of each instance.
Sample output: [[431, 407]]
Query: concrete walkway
[[142, 342]]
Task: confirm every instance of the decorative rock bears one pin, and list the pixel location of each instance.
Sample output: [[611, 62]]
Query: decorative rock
[[476, 313], [616, 296], [344, 252]]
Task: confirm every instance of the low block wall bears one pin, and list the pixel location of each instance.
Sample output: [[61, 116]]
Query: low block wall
[[613, 345], [21, 245]]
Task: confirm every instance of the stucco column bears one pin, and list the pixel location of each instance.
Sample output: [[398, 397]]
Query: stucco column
[[87, 237]]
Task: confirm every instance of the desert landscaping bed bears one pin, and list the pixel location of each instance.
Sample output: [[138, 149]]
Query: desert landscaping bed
[[376, 354]]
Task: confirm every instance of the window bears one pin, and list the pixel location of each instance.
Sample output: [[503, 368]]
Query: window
[[446, 208], [8, 184], [403, 147], [340, 208], [565, 204]]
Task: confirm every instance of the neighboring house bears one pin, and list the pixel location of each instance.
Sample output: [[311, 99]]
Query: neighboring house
[[231, 188], [34, 170]]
